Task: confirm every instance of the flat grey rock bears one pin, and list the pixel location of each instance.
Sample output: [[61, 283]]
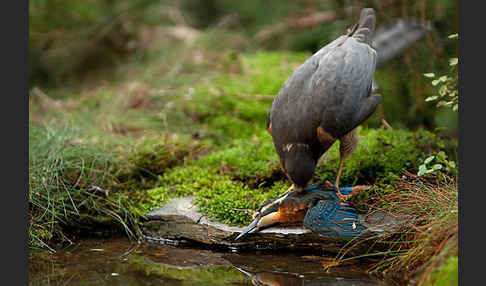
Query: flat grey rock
[[179, 221]]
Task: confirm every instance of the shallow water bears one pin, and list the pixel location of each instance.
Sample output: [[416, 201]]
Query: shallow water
[[118, 261]]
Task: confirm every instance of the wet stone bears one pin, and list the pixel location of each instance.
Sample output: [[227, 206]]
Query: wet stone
[[180, 222]]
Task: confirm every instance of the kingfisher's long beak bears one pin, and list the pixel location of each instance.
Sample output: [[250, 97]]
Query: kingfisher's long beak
[[262, 220], [253, 225], [268, 214]]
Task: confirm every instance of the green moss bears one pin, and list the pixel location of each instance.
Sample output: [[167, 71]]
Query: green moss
[[249, 160], [144, 201], [446, 275], [381, 153], [264, 72], [245, 159], [225, 199], [222, 126], [153, 156]]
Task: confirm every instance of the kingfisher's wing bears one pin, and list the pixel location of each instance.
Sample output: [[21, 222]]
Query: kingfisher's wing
[[331, 218]]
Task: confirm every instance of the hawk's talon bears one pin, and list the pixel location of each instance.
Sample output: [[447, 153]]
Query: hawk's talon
[[359, 188], [290, 189], [344, 198], [354, 191]]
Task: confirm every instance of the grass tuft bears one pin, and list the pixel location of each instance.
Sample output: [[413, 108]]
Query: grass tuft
[[428, 232], [71, 185]]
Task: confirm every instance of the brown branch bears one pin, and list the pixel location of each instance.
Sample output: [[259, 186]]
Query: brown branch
[[423, 9], [357, 9], [309, 21], [404, 10]]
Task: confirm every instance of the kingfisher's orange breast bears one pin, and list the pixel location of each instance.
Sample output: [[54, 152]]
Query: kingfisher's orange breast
[[291, 213]]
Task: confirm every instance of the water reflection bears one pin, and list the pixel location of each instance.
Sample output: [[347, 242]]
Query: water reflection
[[118, 261], [269, 278], [285, 279]]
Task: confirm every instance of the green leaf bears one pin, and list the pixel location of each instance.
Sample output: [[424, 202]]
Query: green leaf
[[437, 167], [443, 90], [422, 170], [441, 155], [453, 36], [443, 78], [431, 98], [429, 75], [435, 82], [429, 159], [453, 61]]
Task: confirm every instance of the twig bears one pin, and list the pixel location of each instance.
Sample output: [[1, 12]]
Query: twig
[[245, 210], [388, 126], [309, 21]]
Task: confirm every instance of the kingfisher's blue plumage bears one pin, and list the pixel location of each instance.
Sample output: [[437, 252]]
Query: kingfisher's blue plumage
[[330, 217], [345, 190]]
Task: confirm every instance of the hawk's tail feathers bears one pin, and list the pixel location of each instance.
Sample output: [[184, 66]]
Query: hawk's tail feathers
[[366, 25]]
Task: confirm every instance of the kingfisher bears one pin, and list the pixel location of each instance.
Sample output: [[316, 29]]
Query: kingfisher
[[317, 206]]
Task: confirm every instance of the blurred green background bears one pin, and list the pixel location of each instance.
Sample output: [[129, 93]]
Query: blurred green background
[[76, 44]]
